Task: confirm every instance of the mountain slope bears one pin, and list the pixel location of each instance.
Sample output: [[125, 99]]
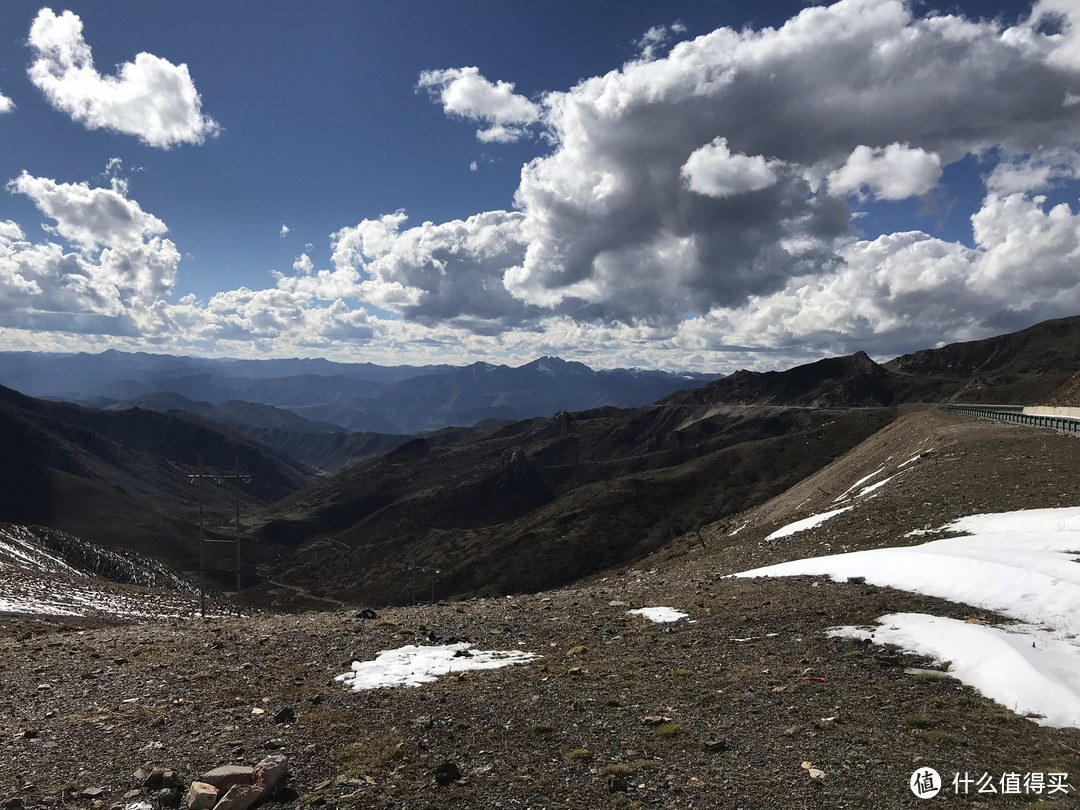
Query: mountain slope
[[545, 501], [121, 479]]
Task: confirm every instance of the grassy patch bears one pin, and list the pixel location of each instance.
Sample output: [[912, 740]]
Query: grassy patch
[[578, 755], [626, 768], [362, 757], [665, 731], [919, 720]]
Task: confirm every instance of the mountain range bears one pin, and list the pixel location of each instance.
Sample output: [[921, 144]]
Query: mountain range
[[494, 506], [343, 397]]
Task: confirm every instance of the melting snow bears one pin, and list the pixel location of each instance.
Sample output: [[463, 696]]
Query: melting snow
[[413, 665], [660, 614], [806, 523], [909, 461], [23, 549], [872, 487], [1020, 564], [862, 480]]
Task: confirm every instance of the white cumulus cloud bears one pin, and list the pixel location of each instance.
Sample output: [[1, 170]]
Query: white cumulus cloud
[[465, 93], [714, 170], [6, 104], [894, 172], [150, 97], [107, 254]]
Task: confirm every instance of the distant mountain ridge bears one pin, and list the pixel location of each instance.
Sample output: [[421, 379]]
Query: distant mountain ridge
[[351, 397]]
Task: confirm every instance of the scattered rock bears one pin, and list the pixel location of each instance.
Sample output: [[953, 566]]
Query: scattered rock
[[816, 773], [446, 773], [286, 715], [201, 796], [241, 797], [226, 776], [271, 773]]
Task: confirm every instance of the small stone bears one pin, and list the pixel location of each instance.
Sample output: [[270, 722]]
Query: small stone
[[226, 776], [271, 772], [171, 779], [169, 797], [201, 796], [92, 793], [257, 711], [274, 744], [816, 773], [286, 715], [716, 746], [132, 794], [446, 773], [240, 797], [152, 780]]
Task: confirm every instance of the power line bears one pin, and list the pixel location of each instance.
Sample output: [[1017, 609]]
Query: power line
[[218, 477]]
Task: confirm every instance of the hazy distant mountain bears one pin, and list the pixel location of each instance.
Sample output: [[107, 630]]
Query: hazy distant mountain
[[354, 396], [480, 391], [84, 376]]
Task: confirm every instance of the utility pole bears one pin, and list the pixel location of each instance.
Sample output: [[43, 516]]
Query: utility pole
[[237, 477], [198, 479]]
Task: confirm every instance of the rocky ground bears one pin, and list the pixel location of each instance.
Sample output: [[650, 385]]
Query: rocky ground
[[747, 704]]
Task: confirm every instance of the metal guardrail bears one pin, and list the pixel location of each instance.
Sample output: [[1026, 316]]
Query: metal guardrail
[[1062, 424]]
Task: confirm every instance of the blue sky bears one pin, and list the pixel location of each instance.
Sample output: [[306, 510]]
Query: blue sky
[[701, 185]]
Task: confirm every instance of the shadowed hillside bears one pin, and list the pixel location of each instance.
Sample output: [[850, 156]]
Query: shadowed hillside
[[121, 479]]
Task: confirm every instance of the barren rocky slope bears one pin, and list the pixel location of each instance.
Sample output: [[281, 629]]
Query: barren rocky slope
[[619, 712]]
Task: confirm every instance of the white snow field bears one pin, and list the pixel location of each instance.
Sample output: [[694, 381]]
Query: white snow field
[[1024, 565], [659, 615], [413, 665]]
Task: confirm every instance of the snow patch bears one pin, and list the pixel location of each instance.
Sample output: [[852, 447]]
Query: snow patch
[[858, 483], [806, 523], [1020, 564], [413, 665], [1026, 672], [660, 614], [873, 487]]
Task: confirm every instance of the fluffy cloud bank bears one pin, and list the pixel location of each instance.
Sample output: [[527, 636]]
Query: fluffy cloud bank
[[701, 200], [719, 179], [149, 98], [111, 255]]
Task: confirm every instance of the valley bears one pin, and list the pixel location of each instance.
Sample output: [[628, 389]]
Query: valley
[[536, 536]]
